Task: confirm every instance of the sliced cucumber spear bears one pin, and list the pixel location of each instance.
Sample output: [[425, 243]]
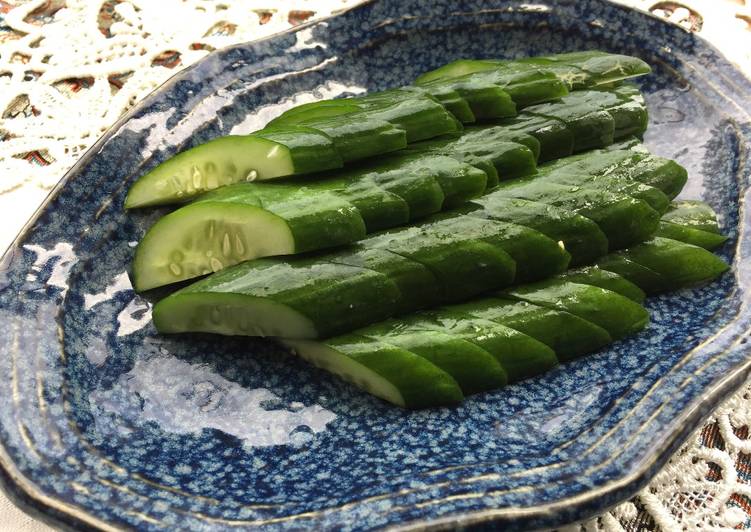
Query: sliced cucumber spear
[[617, 314], [325, 135], [577, 69], [311, 214], [662, 264], [574, 318], [386, 371], [312, 297], [692, 222]]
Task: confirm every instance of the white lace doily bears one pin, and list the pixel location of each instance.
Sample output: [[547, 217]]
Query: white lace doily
[[70, 68]]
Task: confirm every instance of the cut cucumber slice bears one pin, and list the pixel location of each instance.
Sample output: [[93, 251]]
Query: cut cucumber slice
[[395, 375], [472, 367], [613, 312], [265, 297], [596, 276], [689, 235], [361, 138], [676, 264], [196, 241], [580, 236], [694, 215], [569, 336], [623, 219], [521, 356], [418, 286], [239, 223], [556, 140], [232, 159]]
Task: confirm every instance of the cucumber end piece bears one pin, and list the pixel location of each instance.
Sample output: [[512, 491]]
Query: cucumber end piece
[[329, 359], [229, 315], [219, 162], [206, 237]]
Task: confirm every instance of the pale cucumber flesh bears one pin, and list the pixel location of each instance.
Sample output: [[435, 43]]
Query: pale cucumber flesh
[[204, 238], [217, 163]]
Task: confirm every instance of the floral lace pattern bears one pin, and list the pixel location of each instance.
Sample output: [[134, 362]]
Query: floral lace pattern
[[70, 68]]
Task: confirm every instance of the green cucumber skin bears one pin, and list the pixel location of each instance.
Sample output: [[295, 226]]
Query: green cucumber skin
[[693, 215], [596, 276], [520, 355], [307, 112], [417, 285], [581, 237], [477, 264], [648, 280], [536, 256], [419, 115], [421, 383], [569, 336], [360, 139], [613, 312], [335, 298], [662, 264], [593, 129], [624, 164], [311, 150], [578, 70], [689, 235], [473, 368], [623, 219], [652, 196], [555, 139], [451, 100]]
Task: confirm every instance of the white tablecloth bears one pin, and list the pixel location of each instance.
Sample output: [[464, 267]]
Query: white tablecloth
[[58, 96]]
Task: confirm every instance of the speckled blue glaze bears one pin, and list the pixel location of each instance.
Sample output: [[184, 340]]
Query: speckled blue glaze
[[104, 423]]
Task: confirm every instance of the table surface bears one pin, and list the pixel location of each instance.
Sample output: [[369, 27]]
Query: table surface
[[67, 72]]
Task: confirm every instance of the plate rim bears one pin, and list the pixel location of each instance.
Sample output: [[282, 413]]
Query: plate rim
[[26, 495]]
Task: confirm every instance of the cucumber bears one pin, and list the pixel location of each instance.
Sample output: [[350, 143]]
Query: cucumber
[[591, 129], [314, 111], [536, 255], [419, 115], [379, 207], [578, 69], [396, 375], [463, 268], [648, 280], [525, 86], [652, 196], [623, 219], [520, 355], [229, 226], [361, 138], [555, 138], [473, 368], [581, 237], [234, 159], [692, 214], [596, 276], [417, 285], [267, 297], [499, 159], [689, 235], [671, 265], [569, 336], [625, 164], [617, 314], [450, 99], [456, 182]]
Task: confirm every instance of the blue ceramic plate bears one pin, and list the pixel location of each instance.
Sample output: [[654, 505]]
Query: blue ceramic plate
[[106, 424]]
